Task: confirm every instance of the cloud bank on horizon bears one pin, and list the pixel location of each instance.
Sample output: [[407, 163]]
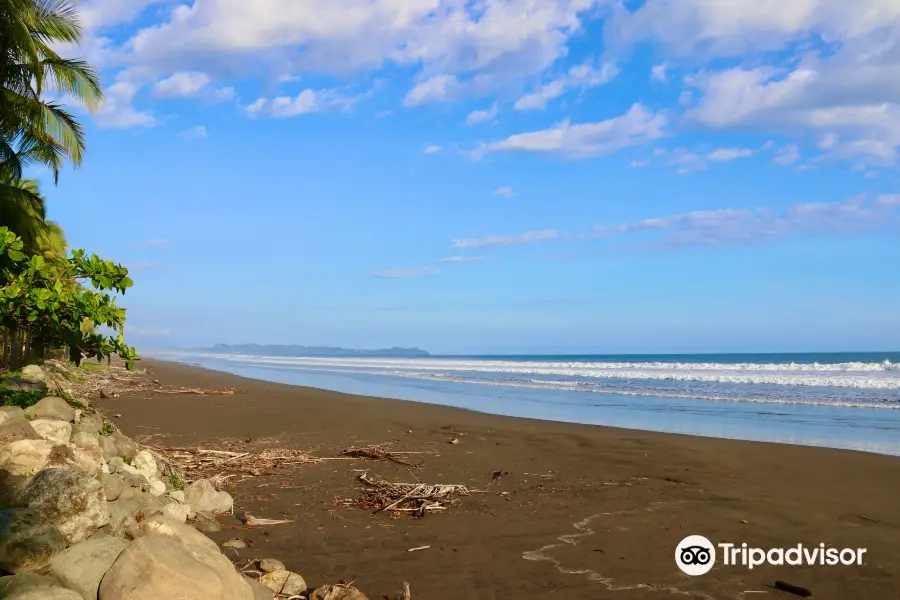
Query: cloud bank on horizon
[[659, 90]]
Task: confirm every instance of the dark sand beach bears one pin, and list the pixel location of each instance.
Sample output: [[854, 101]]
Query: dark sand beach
[[584, 512]]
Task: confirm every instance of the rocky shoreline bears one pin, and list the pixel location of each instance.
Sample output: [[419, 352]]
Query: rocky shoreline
[[87, 513]]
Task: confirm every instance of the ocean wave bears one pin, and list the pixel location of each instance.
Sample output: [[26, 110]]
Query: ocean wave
[[883, 376]]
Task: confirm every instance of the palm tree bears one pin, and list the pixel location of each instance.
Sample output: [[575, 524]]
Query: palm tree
[[35, 130], [28, 219]]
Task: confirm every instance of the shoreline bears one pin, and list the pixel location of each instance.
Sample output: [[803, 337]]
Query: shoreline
[[622, 498]]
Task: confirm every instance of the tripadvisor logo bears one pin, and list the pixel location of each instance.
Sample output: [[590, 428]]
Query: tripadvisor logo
[[696, 555]]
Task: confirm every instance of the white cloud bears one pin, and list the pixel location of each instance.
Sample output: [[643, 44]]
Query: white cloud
[[440, 88], [195, 133], [432, 149], [507, 240], [658, 73], [461, 259], [582, 76], [729, 154], [182, 84], [637, 126], [787, 155], [118, 111], [306, 102], [477, 116], [405, 273], [505, 191]]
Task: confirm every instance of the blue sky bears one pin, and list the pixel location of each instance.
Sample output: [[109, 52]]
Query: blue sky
[[496, 175]]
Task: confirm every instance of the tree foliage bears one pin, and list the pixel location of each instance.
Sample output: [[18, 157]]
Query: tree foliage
[[43, 296]]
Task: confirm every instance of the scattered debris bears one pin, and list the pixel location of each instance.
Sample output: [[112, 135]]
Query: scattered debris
[[498, 474], [793, 589], [454, 441], [415, 498], [199, 391], [379, 452], [416, 549], [235, 543], [251, 521]]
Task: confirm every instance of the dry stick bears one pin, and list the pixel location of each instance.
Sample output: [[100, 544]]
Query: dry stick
[[406, 595]]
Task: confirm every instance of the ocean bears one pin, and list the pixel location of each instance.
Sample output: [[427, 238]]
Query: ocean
[[840, 400]]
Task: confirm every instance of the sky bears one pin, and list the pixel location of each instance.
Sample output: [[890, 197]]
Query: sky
[[496, 176]]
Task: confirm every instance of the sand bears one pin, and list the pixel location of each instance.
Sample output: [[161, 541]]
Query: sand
[[584, 512]]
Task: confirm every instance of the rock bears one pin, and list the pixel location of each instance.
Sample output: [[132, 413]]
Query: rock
[[86, 440], [128, 493], [177, 495], [50, 593], [284, 582], [177, 511], [112, 487], [33, 374], [206, 522], [145, 463], [260, 592], [129, 512], [16, 428], [157, 487], [55, 431], [203, 497], [53, 407], [115, 463], [27, 457], [109, 449], [267, 565], [337, 592], [27, 543], [133, 479], [82, 567], [14, 586], [162, 526], [89, 423], [8, 413], [74, 503], [157, 567], [125, 447], [234, 543]]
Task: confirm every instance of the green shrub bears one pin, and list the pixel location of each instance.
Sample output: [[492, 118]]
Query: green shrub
[[20, 398]]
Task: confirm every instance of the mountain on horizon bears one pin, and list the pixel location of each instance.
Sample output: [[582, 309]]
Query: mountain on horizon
[[311, 351]]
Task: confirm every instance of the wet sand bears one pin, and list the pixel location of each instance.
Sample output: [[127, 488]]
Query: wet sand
[[584, 512]]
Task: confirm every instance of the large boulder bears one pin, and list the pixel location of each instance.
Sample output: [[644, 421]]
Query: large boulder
[[162, 567], [125, 446], [145, 464], [52, 407], [284, 583], [177, 511], [82, 567], [8, 413], [33, 374], [113, 485], [260, 592], [49, 593], [203, 497], [53, 430], [28, 456], [27, 543], [131, 510], [74, 503], [109, 449], [15, 586], [15, 428], [88, 423]]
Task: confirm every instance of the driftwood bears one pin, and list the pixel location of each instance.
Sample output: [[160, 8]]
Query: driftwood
[[793, 589], [379, 452], [415, 498]]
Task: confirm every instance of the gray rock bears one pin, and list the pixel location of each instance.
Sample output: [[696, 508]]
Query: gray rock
[[125, 511], [112, 487], [33, 374], [27, 543], [82, 567], [129, 492], [234, 543], [124, 445], [16, 428], [115, 463], [267, 565], [260, 592], [10, 412], [177, 495], [86, 440], [28, 456], [109, 449], [337, 592], [157, 487], [206, 522], [88, 423], [203, 497], [74, 503], [145, 463], [284, 582], [177, 511], [53, 430], [52, 407], [16, 383], [162, 567], [50, 593], [13, 586]]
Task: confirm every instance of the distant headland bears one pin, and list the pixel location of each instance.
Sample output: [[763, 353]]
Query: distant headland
[[293, 350]]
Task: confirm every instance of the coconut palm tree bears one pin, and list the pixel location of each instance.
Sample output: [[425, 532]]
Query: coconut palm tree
[[34, 129], [28, 219]]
